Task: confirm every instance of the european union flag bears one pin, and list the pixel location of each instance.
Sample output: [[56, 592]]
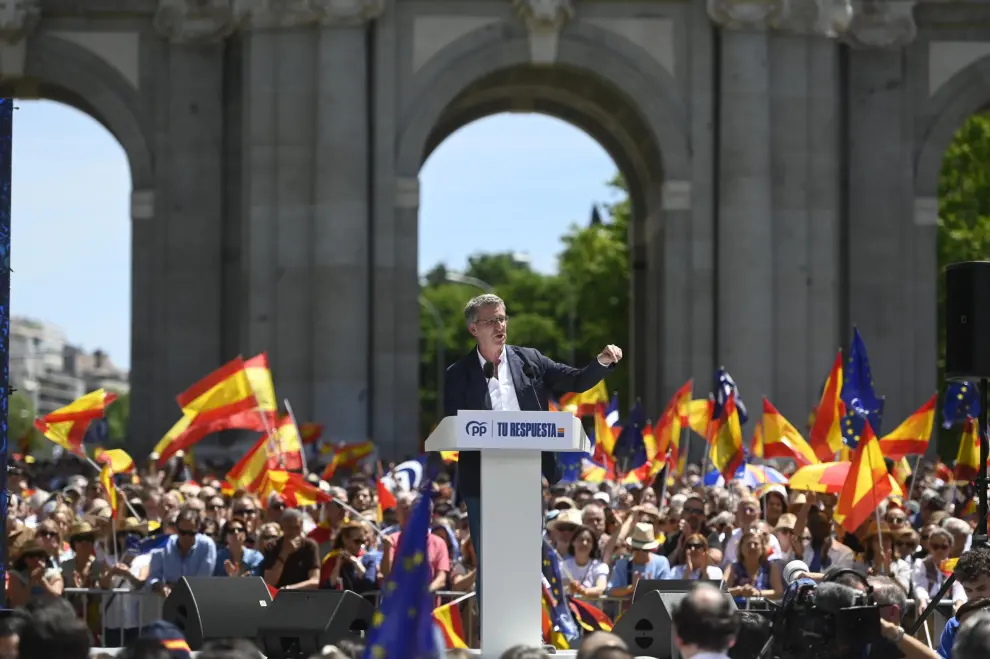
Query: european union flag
[[962, 401], [570, 466], [560, 615], [139, 545], [630, 449], [403, 628], [725, 385], [861, 401]]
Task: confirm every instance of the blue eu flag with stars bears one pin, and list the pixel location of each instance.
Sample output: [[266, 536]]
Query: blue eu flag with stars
[[630, 448], [962, 401], [403, 627], [861, 401], [725, 385], [560, 615]]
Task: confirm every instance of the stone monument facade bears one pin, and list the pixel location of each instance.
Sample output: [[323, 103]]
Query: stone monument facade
[[782, 157]]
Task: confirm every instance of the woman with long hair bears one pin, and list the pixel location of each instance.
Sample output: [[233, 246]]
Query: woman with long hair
[[697, 563], [750, 575], [585, 573]]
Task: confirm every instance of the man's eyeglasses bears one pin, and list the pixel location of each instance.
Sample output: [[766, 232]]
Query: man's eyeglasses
[[246, 512], [694, 546], [491, 322], [186, 534]]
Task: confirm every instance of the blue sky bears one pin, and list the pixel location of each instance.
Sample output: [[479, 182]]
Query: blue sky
[[505, 183]]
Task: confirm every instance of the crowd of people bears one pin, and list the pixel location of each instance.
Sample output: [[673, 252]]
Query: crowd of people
[[114, 574]]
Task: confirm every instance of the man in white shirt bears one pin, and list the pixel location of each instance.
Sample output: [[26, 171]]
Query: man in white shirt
[[498, 376], [706, 623]]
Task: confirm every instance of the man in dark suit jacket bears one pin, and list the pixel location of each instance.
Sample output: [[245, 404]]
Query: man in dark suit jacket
[[522, 380]]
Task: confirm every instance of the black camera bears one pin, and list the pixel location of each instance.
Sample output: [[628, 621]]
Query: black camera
[[827, 621]]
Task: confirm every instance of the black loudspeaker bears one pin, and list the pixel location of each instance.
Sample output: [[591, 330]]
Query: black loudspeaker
[[648, 626], [967, 320], [301, 622], [211, 608]]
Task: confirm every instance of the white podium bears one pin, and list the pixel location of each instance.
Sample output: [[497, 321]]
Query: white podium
[[511, 511]]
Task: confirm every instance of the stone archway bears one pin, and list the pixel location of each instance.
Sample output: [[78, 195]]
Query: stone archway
[[621, 98]]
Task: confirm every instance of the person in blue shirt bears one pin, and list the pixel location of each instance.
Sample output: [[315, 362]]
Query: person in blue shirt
[[188, 553], [973, 572], [643, 564], [234, 559]]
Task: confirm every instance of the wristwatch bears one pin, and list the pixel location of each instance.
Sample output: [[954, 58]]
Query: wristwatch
[[897, 635]]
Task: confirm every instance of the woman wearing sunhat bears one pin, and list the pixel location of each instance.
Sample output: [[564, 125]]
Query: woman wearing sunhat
[[642, 564], [32, 575]]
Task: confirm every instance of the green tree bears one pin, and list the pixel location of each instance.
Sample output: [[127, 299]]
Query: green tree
[[963, 228], [20, 418], [118, 415]]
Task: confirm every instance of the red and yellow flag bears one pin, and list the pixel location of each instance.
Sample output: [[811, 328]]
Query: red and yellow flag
[[280, 451], [913, 435], [756, 444], [119, 460], [867, 484], [347, 456], [67, 425], [605, 436], [673, 420], [106, 480], [448, 619], [902, 472], [265, 414], [782, 440], [826, 433], [700, 415], [386, 500], [208, 405], [726, 452], [311, 433], [583, 404], [294, 489], [968, 457]]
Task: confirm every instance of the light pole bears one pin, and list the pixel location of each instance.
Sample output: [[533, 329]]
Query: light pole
[[459, 278], [441, 357]]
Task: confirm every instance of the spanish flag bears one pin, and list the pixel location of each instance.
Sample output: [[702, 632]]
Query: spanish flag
[[902, 472], [448, 619], [604, 435], [279, 451], [386, 500], [673, 420], [968, 458], [265, 414], [782, 440], [756, 445], [311, 433], [294, 489], [826, 434], [583, 404], [726, 451], [67, 425], [106, 480], [700, 415], [118, 459], [867, 484], [347, 456], [912, 436], [222, 394]]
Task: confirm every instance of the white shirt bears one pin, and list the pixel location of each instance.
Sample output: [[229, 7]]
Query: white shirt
[[731, 552], [839, 555], [501, 387]]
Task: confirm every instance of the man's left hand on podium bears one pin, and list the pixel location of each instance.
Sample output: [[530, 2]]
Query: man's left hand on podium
[[610, 355]]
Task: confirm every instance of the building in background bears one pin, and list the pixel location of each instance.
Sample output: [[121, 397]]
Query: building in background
[[51, 371]]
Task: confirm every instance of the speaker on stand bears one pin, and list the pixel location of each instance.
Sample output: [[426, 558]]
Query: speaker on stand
[[967, 357]]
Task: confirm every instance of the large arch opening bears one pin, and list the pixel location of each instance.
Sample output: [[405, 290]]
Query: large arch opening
[[952, 187], [82, 171], [606, 114]]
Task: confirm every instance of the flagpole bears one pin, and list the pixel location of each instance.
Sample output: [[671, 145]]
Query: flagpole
[[6, 142], [876, 509], [117, 489], [273, 445], [302, 448]]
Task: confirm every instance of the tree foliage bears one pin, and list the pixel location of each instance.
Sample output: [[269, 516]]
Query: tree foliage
[[963, 227], [568, 316]]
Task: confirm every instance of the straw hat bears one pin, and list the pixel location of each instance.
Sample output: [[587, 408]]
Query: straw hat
[[566, 516], [643, 537], [29, 546], [133, 525], [786, 521], [81, 528]]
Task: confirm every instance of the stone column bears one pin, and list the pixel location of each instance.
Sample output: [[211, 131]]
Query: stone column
[[144, 319], [674, 285], [804, 87], [881, 200], [745, 335], [340, 298], [189, 189]]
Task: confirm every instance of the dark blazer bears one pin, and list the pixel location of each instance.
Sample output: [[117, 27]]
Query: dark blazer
[[465, 389]]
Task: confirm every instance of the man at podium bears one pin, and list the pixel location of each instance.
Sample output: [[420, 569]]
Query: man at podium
[[501, 377]]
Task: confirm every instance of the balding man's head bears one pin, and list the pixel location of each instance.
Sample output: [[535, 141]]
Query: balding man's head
[[597, 640], [705, 620]]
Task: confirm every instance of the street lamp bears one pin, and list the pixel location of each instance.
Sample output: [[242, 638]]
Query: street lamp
[[441, 356], [459, 278]]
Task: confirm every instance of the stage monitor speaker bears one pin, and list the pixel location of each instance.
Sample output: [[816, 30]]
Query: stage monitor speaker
[[301, 622], [648, 626], [967, 320], [211, 608]]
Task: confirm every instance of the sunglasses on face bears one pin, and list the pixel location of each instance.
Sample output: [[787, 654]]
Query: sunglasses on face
[[694, 511], [39, 557], [566, 528], [47, 534], [248, 512], [908, 545], [695, 546], [277, 506], [785, 531], [186, 534], [216, 506], [82, 538], [896, 520], [235, 529], [940, 547], [268, 536]]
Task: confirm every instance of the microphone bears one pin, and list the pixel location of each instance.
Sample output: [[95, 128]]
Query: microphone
[[489, 370], [530, 373]]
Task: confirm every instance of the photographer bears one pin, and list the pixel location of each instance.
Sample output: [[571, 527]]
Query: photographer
[[892, 600], [973, 572]]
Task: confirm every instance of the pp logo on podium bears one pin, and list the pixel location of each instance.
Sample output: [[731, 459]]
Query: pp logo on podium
[[476, 428]]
